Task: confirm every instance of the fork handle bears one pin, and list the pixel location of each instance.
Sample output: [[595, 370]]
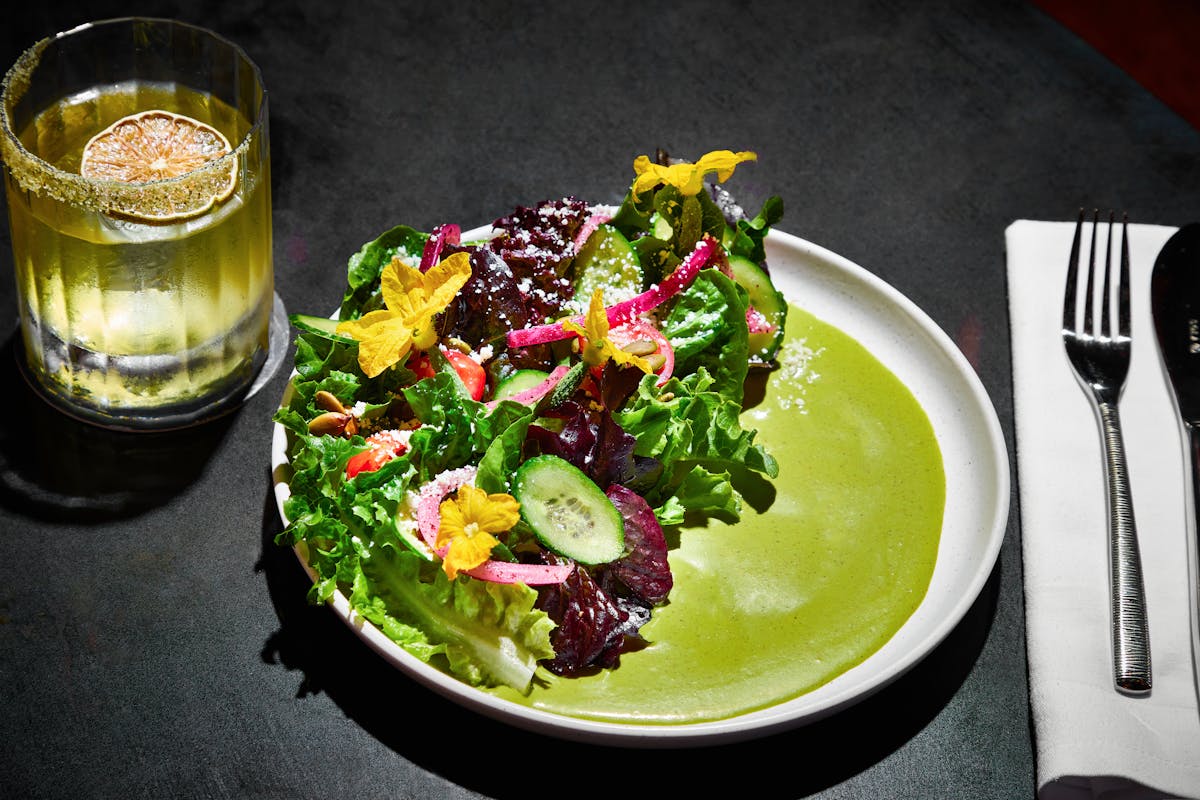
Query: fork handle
[[1130, 630]]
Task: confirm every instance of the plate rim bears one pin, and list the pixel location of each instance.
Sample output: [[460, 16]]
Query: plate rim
[[777, 717]]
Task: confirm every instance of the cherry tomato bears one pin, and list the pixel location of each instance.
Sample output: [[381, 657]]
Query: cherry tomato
[[418, 362], [382, 447], [470, 371], [367, 461]]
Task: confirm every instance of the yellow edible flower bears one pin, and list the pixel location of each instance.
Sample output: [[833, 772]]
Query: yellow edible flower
[[597, 347], [687, 178], [467, 525], [412, 300]]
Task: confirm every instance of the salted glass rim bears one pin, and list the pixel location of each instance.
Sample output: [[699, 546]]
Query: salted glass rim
[[35, 174]]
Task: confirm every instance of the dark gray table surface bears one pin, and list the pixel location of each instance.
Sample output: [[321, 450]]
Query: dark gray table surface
[[155, 643]]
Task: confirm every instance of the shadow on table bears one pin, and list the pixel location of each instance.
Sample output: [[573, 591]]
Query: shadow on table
[[331, 658], [57, 468]]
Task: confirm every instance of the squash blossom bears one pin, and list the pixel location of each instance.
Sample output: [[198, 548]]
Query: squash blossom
[[597, 347], [412, 300], [687, 178], [467, 525]]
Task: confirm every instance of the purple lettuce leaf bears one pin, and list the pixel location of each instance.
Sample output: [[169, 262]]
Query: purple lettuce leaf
[[592, 440], [599, 610], [644, 572], [617, 384], [537, 242], [592, 627], [488, 306]]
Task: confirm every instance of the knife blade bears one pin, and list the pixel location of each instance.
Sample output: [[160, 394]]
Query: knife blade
[[1175, 308]]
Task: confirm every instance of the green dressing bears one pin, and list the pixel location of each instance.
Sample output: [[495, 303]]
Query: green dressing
[[823, 568]]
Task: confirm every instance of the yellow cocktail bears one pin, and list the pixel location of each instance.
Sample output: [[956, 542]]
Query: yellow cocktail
[[141, 221]]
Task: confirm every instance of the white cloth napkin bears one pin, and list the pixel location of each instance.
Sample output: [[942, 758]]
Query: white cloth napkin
[[1092, 742]]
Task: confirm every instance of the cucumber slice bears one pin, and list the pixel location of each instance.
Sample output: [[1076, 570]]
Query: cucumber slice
[[412, 540], [518, 382], [567, 511], [606, 261], [321, 326], [660, 228], [767, 300]]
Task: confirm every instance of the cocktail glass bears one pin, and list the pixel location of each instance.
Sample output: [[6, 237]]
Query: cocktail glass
[[145, 303]]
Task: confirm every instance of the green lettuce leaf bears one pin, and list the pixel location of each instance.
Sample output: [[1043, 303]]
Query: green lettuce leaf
[[746, 238], [488, 633], [485, 633], [508, 425], [703, 493], [692, 427], [332, 366], [335, 517], [632, 217], [364, 268], [456, 430], [707, 329], [445, 440]]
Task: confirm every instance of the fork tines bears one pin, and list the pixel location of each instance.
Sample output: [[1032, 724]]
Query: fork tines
[[1089, 325]]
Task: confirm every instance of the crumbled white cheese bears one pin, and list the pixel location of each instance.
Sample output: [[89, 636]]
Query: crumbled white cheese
[[392, 437], [404, 257], [795, 374]]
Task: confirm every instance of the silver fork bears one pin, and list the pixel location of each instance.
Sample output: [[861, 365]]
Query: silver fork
[[1100, 358]]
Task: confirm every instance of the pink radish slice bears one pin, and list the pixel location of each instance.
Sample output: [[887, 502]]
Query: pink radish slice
[[670, 286], [540, 334], [428, 518], [533, 394], [442, 235], [626, 311]]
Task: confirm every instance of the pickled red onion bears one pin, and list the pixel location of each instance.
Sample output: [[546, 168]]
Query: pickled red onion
[[535, 393]]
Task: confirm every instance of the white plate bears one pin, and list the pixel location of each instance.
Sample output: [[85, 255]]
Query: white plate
[[975, 459]]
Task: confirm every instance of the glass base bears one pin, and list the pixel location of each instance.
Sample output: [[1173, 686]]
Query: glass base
[[183, 415]]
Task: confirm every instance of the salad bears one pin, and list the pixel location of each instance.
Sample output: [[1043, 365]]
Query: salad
[[495, 442]]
